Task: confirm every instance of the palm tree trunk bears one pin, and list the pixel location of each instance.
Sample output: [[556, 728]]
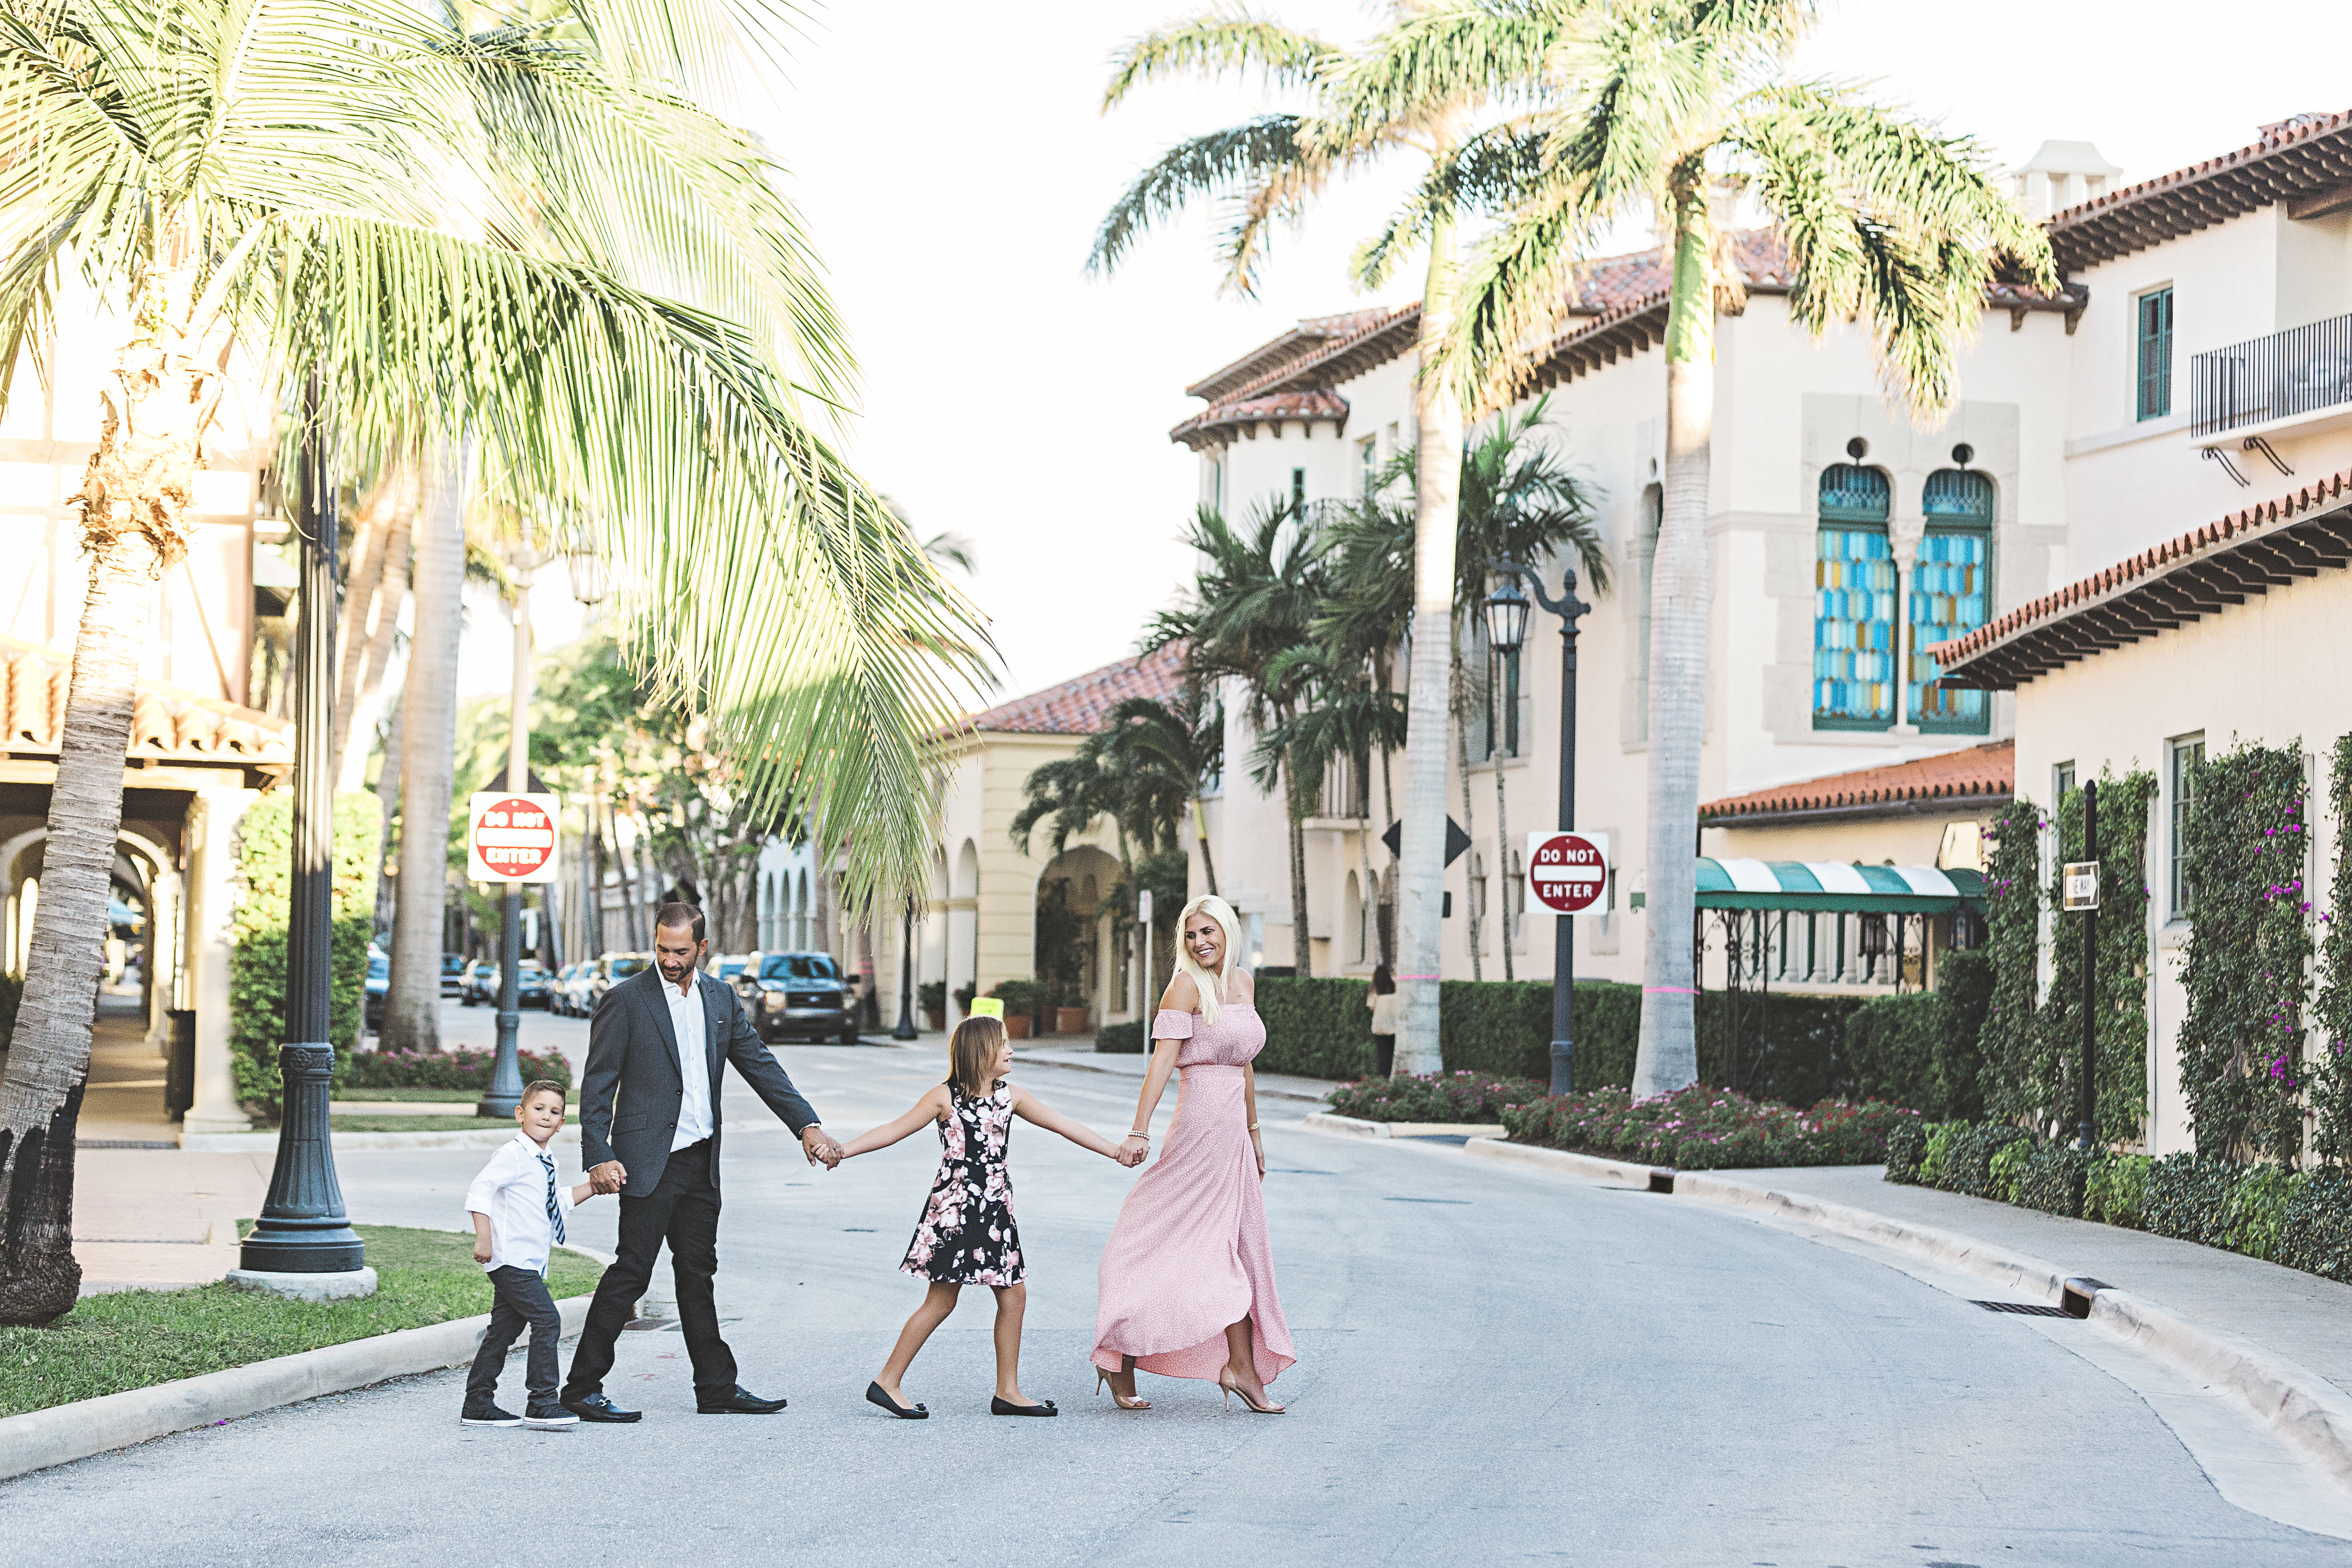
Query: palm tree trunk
[[387, 790], [1667, 1058], [1470, 878], [428, 758], [1421, 893], [1386, 674], [1302, 942], [1201, 830], [49, 1062], [364, 643], [1502, 817]]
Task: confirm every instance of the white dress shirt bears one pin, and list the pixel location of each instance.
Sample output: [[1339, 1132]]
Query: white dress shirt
[[512, 1190], [694, 1119]]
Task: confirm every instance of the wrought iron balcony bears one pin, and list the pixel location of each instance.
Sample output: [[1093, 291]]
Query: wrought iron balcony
[[2301, 370]]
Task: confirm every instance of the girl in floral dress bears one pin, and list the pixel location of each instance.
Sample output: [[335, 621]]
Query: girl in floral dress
[[967, 1236]]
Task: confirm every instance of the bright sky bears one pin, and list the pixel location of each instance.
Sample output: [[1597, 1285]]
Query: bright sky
[[952, 164]]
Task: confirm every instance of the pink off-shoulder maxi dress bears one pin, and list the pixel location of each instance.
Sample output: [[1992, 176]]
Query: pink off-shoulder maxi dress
[[1190, 1253]]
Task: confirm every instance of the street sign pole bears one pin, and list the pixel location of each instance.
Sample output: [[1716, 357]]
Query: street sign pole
[[510, 839], [2090, 967]]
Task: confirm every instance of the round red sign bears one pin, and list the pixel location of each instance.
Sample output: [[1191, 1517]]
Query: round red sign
[[513, 837], [1567, 873]]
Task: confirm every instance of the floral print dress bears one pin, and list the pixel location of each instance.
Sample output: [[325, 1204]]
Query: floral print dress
[[966, 1236]]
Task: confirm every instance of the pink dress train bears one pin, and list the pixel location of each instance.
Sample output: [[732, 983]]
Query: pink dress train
[[1190, 1253]]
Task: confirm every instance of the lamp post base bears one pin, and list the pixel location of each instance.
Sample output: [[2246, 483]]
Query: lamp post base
[[347, 1285]]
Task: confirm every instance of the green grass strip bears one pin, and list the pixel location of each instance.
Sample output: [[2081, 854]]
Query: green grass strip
[[134, 1338]]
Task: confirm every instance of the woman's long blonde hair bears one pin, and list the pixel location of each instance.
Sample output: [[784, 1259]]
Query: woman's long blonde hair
[[1214, 989]]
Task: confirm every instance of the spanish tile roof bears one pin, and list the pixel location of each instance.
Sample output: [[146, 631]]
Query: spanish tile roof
[[167, 724], [1082, 707], [2183, 579], [1970, 777], [1246, 414], [2305, 161], [1619, 308]]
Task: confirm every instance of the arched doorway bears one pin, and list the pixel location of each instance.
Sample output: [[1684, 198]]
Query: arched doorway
[[1078, 956]]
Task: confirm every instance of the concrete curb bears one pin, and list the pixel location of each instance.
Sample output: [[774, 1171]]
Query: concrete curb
[[488, 1137], [2304, 1410], [1561, 1162], [1356, 1127], [64, 1433]]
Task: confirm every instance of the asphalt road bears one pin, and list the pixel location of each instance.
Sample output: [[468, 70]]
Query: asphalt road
[[1493, 1367]]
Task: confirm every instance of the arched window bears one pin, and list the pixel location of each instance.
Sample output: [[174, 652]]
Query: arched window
[[1854, 609], [1950, 595]]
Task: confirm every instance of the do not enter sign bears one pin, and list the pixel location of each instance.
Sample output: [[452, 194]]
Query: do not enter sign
[[1567, 873], [511, 837]]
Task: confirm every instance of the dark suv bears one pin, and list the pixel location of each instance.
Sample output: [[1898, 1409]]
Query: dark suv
[[797, 995]]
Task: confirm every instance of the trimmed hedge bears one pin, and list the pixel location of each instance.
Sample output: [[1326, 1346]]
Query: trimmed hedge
[[466, 1070], [1119, 1039], [2317, 1225], [1458, 1097], [1921, 1049], [1702, 1129]]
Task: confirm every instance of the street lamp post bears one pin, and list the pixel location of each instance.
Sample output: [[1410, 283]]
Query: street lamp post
[[906, 1029], [303, 1244], [1507, 629], [2088, 1099], [524, 558]]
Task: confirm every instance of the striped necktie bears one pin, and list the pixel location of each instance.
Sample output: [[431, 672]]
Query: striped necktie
[[554, 1209]]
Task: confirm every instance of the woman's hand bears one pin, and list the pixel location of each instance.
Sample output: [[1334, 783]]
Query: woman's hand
[[1132, 1150], [1259, 1144]]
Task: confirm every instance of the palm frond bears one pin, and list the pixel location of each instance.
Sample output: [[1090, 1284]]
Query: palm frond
[[1260, 161], [1447, 58], [1215, 43]]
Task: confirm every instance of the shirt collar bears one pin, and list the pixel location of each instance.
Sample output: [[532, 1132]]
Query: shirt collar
[[531, 1146]]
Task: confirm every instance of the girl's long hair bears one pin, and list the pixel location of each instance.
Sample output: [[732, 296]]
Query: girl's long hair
[[1214, 988], [972, 1051]]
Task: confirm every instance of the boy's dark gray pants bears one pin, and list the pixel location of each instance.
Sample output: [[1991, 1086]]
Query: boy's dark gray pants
[[521, 1299]]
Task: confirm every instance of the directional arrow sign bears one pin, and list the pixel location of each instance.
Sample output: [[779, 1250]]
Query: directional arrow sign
[[510, 838], [1567, 873], [1456, 840]]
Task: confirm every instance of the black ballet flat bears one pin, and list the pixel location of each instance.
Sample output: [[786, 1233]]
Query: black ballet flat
[[873, 1395], [1006, 1408]]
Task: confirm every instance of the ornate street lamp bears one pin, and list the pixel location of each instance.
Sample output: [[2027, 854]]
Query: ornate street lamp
[[1507, 629], [906, 1029], [303, 1244]]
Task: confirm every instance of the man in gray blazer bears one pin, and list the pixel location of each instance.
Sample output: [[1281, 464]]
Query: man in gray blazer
[[658, 1042]]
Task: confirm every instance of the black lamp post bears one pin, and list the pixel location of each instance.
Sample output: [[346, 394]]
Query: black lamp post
[[303, 1228], [2089, 1096], [906, 1029], [1507, 629]]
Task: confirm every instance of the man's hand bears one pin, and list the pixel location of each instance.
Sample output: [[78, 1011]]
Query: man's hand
[[820, 1148], [609, 1177]]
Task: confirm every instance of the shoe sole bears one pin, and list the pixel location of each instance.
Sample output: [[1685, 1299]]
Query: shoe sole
[[722, 1410], [545, 1423], [476, 1421]]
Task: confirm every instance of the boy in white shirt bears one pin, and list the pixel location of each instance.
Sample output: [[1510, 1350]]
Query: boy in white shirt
[[518, 1208]]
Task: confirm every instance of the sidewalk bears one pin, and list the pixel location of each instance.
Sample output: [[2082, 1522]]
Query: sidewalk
[[2300, 1315], [1305, 1091]]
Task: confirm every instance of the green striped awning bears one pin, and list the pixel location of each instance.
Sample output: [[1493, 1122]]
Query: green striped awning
[[1829, 887]]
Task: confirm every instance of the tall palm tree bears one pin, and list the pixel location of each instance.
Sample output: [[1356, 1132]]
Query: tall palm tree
[[1340, 716], [526, 238], [1256, 594], [1666, 108], [1168, 756], [1405, 93]]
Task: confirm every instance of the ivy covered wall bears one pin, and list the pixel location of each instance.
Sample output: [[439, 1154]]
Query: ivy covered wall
[[2331, 1077], [2120, 967], [256, 983]]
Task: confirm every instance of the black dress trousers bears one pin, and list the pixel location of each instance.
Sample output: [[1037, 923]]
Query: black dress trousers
[[683, 1210]]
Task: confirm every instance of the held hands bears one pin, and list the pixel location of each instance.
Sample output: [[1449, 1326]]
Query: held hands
[[608, 1177], [820, 1148], [1132, 1150]]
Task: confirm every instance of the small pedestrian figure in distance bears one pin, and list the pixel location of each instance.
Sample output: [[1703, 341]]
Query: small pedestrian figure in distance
[[518, 1208], [966, 1236]]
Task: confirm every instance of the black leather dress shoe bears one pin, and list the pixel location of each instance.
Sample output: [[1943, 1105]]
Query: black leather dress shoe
[[742, 1402], [597, 1407]]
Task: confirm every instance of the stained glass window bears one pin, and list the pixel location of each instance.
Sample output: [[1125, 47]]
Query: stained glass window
[[1853, 613], [1950, 590]]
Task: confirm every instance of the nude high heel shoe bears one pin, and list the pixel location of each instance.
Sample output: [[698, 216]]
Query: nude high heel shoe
[[1102, 1381], [1232, 1386]]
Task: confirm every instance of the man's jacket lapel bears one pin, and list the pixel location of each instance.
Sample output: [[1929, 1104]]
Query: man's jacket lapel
[[651, 997], [710, 1026]]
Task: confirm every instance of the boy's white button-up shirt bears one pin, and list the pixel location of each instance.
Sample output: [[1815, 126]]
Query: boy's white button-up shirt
[[512, 1190]]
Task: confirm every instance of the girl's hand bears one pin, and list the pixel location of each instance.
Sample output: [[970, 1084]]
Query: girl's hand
[[1132, 1150]]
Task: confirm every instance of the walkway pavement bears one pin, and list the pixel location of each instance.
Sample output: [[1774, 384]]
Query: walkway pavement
[[2301, 1316]]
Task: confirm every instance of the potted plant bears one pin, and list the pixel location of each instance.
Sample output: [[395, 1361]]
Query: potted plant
[[931, 996], [1069, 1010], [964, 995], [1021, 998]]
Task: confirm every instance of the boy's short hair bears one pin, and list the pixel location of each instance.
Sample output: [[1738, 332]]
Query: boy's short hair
[[539, 1084]]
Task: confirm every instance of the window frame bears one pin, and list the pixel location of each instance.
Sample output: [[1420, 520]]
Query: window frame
[[1948, 525], [2180, 797], [1842, 518], [2152, 353]]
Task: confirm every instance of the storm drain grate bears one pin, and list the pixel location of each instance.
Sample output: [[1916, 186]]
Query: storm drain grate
[[2024, 1309]]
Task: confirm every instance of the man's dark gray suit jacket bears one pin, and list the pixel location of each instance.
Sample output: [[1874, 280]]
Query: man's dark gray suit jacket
[[632, 1054]]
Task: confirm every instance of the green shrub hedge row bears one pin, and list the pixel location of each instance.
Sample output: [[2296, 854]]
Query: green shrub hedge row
[[466, 1070], [2302, 1219]]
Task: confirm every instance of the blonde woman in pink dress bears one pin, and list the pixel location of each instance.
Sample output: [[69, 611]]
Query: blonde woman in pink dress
[[1187, 1280]]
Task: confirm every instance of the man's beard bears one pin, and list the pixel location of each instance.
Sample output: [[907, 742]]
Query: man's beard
[[673, 975]]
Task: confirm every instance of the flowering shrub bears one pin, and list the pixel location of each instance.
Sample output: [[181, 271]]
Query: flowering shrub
[[440, 1069], [1440, 1097], [1702, 1129]]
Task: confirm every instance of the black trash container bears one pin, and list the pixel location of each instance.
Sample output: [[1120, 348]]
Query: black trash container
[[180, 1063]]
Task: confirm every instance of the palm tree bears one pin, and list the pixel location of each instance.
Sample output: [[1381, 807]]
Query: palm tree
[[1341, 715], [1406, 92], [1167, 757], [1256, 594], [526, 239], [1666, 108]]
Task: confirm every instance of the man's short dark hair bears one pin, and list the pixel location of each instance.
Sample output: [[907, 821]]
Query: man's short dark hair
[[672, 916]]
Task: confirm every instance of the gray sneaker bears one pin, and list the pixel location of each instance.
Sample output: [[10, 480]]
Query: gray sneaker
[[488, 1415], [548, 1414]]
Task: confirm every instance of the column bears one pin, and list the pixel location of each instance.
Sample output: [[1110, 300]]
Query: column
[[213, 817], [163, 918]]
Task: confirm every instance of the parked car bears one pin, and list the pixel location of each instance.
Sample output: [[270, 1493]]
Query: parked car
[[477, 984], [379, 984], [798, 995], [482, 981], [532, 986], [727, 966], [558, 990], [611, 969], [453, 974], [575, 999]]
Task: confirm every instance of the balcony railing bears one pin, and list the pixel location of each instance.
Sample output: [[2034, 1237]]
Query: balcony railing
[[2296, 371]]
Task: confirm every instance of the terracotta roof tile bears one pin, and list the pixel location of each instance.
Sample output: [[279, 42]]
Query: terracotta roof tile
[[166, 723], [1081, 707], [1971, 774], [2302, 156], [1247, 413]]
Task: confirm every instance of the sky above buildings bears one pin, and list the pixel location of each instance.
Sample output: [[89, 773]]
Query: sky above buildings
[[953, 163]]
